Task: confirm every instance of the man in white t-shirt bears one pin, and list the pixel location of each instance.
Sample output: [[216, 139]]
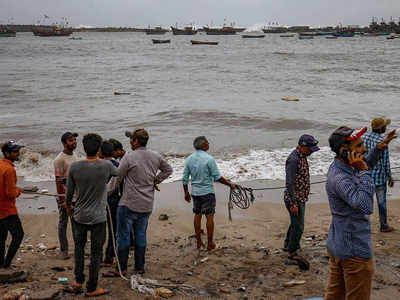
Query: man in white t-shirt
[[62, 164]]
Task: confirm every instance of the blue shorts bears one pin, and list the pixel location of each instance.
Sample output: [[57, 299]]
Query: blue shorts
[[204, 204]]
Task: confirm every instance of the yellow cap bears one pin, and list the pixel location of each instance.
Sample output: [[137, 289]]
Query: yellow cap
[[378, 123]]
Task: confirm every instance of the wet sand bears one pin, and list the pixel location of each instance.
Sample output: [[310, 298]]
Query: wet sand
[[250, 257]]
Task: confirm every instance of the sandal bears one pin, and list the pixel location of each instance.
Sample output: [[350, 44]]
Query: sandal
[[75, 288], [301, 261], [97, 293], [114, 274]]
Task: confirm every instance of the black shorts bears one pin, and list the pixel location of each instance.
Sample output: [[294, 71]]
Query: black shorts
[[204, 204]]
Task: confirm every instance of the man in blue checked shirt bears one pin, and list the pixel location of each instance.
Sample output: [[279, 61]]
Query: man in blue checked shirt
[[350, 190], [203, 170], [381, 173]]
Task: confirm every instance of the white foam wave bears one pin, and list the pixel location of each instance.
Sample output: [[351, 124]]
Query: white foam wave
[[256, 164]]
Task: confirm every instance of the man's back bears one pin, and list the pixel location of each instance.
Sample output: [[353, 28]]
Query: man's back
[[89, 180], [8, 189], [203, 171], [139, 170], [381, 171]]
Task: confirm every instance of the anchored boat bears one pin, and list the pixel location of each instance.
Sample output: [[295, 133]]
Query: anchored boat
[[7, 32], [203, 43], [52, 31], [188, 30], [161, 41], [252, 36]]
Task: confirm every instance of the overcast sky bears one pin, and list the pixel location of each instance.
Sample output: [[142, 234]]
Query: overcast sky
[[201, 12]]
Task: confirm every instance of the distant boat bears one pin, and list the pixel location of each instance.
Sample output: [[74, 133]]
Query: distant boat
[[52, 31], [7, 32], [226, 30], [75, 38], [286, 35], [306, 37], [378, 34], [156, 30], [392, 37], [203, 43], [248, 36], [188, 30], [331, 37], [275, 30], [161, 41], [343, 34], [306, 34], [322, 33]]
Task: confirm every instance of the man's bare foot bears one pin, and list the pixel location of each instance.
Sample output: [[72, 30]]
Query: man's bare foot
[[200, 244], [211, 246], [64, 255]]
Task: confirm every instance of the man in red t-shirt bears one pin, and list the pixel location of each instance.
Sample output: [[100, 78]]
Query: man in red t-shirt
[[9, 220]]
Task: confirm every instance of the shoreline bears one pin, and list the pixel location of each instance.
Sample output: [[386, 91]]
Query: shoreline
[[171, 196]]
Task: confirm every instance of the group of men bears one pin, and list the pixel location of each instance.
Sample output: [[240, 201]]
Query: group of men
[[114, 187], [358, 171]]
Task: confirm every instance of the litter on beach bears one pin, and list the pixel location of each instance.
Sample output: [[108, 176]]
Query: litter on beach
[[290, 99]]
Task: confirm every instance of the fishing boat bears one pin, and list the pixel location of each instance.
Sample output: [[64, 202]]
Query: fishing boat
[[331, 37], [225, 30], [252, 36], [306, 37], [343, 34], [286, 35], [275, 29], [392, 37], [52, 31], [203, 43], [323, 33], [161, 41], [7, 32], [156, 30], [187, 30]]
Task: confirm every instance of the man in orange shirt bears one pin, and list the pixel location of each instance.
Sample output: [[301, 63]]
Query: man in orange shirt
[[9, 220]]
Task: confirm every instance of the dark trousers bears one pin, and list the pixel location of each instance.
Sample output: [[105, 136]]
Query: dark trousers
[[62, 229], [13, 225], [112, 228], [296, 228], [127, 221], [97, 239]]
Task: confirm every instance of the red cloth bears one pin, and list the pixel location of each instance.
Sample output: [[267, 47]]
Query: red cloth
[[8, 189]]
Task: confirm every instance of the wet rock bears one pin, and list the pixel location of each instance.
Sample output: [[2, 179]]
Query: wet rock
[[32, 188], [13, 295], [242, 289], [163, 217], [48, 294], [58, 269], [224, 290], [11, 276]]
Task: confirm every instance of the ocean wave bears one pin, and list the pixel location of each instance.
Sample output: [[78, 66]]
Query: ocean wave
[[252, 165]]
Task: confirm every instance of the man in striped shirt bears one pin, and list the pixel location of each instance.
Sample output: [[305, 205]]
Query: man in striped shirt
[[350, 190], [381, 173]]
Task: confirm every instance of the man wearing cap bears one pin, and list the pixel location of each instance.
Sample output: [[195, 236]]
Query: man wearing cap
[[296, 194], [62, 163], [140, 171], [381, 173], [350, 190], [9, 220]]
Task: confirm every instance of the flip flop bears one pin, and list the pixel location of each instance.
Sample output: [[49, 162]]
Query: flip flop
[[97, 293], [75, 288], [217, 246], [114, 274], [301, 261]]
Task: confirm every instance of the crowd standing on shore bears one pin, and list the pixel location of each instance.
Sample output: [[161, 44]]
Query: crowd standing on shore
[[100, 190]]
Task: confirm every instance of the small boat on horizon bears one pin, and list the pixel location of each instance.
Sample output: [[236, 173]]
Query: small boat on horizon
[[52, 31], [161, 41], [286, 35], [225, 30], [187, 30], [7, 32], [331, 37], [203, 43], [252, 36], [156, 30]]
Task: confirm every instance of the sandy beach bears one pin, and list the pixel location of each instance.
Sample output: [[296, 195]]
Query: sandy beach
[[249, 264]]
